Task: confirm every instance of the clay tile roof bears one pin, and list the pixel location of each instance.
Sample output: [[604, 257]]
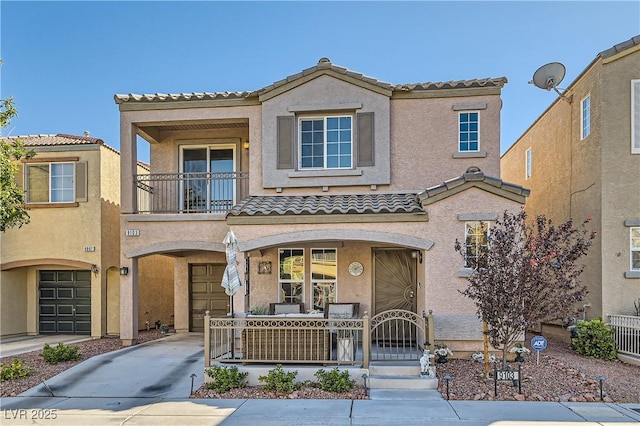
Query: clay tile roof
[[472, 177], [327, 204], [323, 64], [60, 139], [634, 41]]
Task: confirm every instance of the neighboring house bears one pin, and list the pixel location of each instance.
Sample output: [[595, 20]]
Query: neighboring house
[[581, 159], [59, 273], [339, 188]]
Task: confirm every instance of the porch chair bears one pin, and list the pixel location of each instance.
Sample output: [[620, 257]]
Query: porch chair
[[342, 310], [286, 308]]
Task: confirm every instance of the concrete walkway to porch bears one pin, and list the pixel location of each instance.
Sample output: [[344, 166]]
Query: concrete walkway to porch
[[16, 345]]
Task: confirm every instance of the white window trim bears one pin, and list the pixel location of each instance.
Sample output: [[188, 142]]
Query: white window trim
[[632, 249], [49, 164], [582, 120], [478, 131], [324, 118], [635, 116], [528, 164], [304, 274], [312, 281]]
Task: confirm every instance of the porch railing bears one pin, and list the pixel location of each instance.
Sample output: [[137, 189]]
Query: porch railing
[[311, 340], [190, 192], [626, 333]]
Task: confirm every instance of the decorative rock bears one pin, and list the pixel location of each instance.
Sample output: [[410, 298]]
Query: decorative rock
[[519, 397]]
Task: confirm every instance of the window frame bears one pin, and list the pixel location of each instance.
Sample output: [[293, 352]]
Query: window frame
[[325, 154], [585, 120], [467, 246], [468, 132], [282, 296], [634, 249], [28, 187], [635, 116], [314, 281]]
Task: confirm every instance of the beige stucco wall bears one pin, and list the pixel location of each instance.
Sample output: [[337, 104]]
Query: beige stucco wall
[[156, 297], [595, 177], [329, 94], [424, 139], [13, 302]]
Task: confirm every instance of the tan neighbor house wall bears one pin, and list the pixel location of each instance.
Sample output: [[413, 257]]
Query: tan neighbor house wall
[[593, 177]]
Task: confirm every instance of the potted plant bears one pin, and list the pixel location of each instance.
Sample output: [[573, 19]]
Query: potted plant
[[442, 352], [519, 350]]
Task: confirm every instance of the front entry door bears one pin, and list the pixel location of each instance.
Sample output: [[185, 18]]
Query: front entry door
[[395, 280], [206, 294]]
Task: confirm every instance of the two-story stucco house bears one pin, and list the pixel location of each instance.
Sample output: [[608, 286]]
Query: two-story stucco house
[[60, 272], [338, 187], [581, 159]]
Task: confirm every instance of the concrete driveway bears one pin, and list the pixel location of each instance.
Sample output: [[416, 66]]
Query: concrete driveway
[[157, 369]]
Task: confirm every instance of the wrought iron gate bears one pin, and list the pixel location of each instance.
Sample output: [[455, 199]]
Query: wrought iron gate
[[397, 335]]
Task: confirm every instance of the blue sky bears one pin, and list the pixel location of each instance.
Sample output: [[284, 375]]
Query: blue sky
[[64, 61]]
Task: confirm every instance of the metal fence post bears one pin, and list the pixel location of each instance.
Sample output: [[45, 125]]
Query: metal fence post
[[207, 340], [366, 340]]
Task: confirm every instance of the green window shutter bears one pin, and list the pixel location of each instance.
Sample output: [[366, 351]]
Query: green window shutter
[[81, 181], [286, 139], [365, 149]]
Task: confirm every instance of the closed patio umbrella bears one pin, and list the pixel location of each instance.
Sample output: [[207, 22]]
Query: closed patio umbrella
[[230, 278]]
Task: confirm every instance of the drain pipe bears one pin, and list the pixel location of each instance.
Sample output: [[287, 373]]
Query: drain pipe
[[584, 311]]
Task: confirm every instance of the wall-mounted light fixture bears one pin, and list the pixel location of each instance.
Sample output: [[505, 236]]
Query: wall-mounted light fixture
[[95, 269], [124, 270], [417, 254], [245, 144]]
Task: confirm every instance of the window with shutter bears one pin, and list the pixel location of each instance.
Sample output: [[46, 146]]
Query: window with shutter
[[366, 153], [81, 181], [285, 138]]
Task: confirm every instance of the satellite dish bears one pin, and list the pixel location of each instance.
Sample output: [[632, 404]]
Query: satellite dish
[[549, 76]]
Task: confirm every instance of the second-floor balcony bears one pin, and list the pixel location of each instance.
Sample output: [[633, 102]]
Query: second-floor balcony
[[212, 192]]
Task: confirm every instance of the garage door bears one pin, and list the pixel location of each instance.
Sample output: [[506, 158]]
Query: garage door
[[65, 302], [206, 294]]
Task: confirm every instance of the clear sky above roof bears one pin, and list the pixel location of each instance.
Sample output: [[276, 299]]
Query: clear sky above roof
[[64, 61]]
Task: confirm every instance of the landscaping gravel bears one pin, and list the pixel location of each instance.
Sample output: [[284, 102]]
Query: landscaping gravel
[[562, 375]]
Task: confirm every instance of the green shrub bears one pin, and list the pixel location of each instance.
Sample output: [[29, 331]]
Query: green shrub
[[226, 378], [60, 353], [12, 371], [334, 380], [594, 339], [279, 380], [259, 310]]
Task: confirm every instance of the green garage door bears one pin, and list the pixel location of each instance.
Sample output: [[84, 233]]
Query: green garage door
[[65, 302]]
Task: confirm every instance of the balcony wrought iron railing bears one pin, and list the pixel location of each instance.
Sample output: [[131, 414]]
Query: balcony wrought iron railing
[[213, 192]]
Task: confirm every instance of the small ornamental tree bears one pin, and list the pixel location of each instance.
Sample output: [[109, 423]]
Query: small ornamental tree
[[527, 273], [12, 210]]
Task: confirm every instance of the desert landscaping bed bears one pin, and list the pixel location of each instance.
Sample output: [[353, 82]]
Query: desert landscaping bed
[[562, 375]]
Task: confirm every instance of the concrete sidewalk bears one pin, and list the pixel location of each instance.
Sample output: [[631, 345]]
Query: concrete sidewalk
[[11, 346], [149, 384], [156, 411]]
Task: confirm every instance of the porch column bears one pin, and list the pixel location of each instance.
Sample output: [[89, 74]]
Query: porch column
[[128, 165], [129, 302]]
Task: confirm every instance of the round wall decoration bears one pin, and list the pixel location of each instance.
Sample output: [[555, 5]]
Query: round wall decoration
[[356, 268]]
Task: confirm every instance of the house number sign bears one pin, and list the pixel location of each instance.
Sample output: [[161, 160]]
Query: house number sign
[[132, 232]]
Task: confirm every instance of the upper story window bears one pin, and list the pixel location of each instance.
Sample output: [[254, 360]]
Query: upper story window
[[50, 182], [476, 237], [635, 116], [635, 249], [586, 117], [528, 164], [468, 131], [326, 142]]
